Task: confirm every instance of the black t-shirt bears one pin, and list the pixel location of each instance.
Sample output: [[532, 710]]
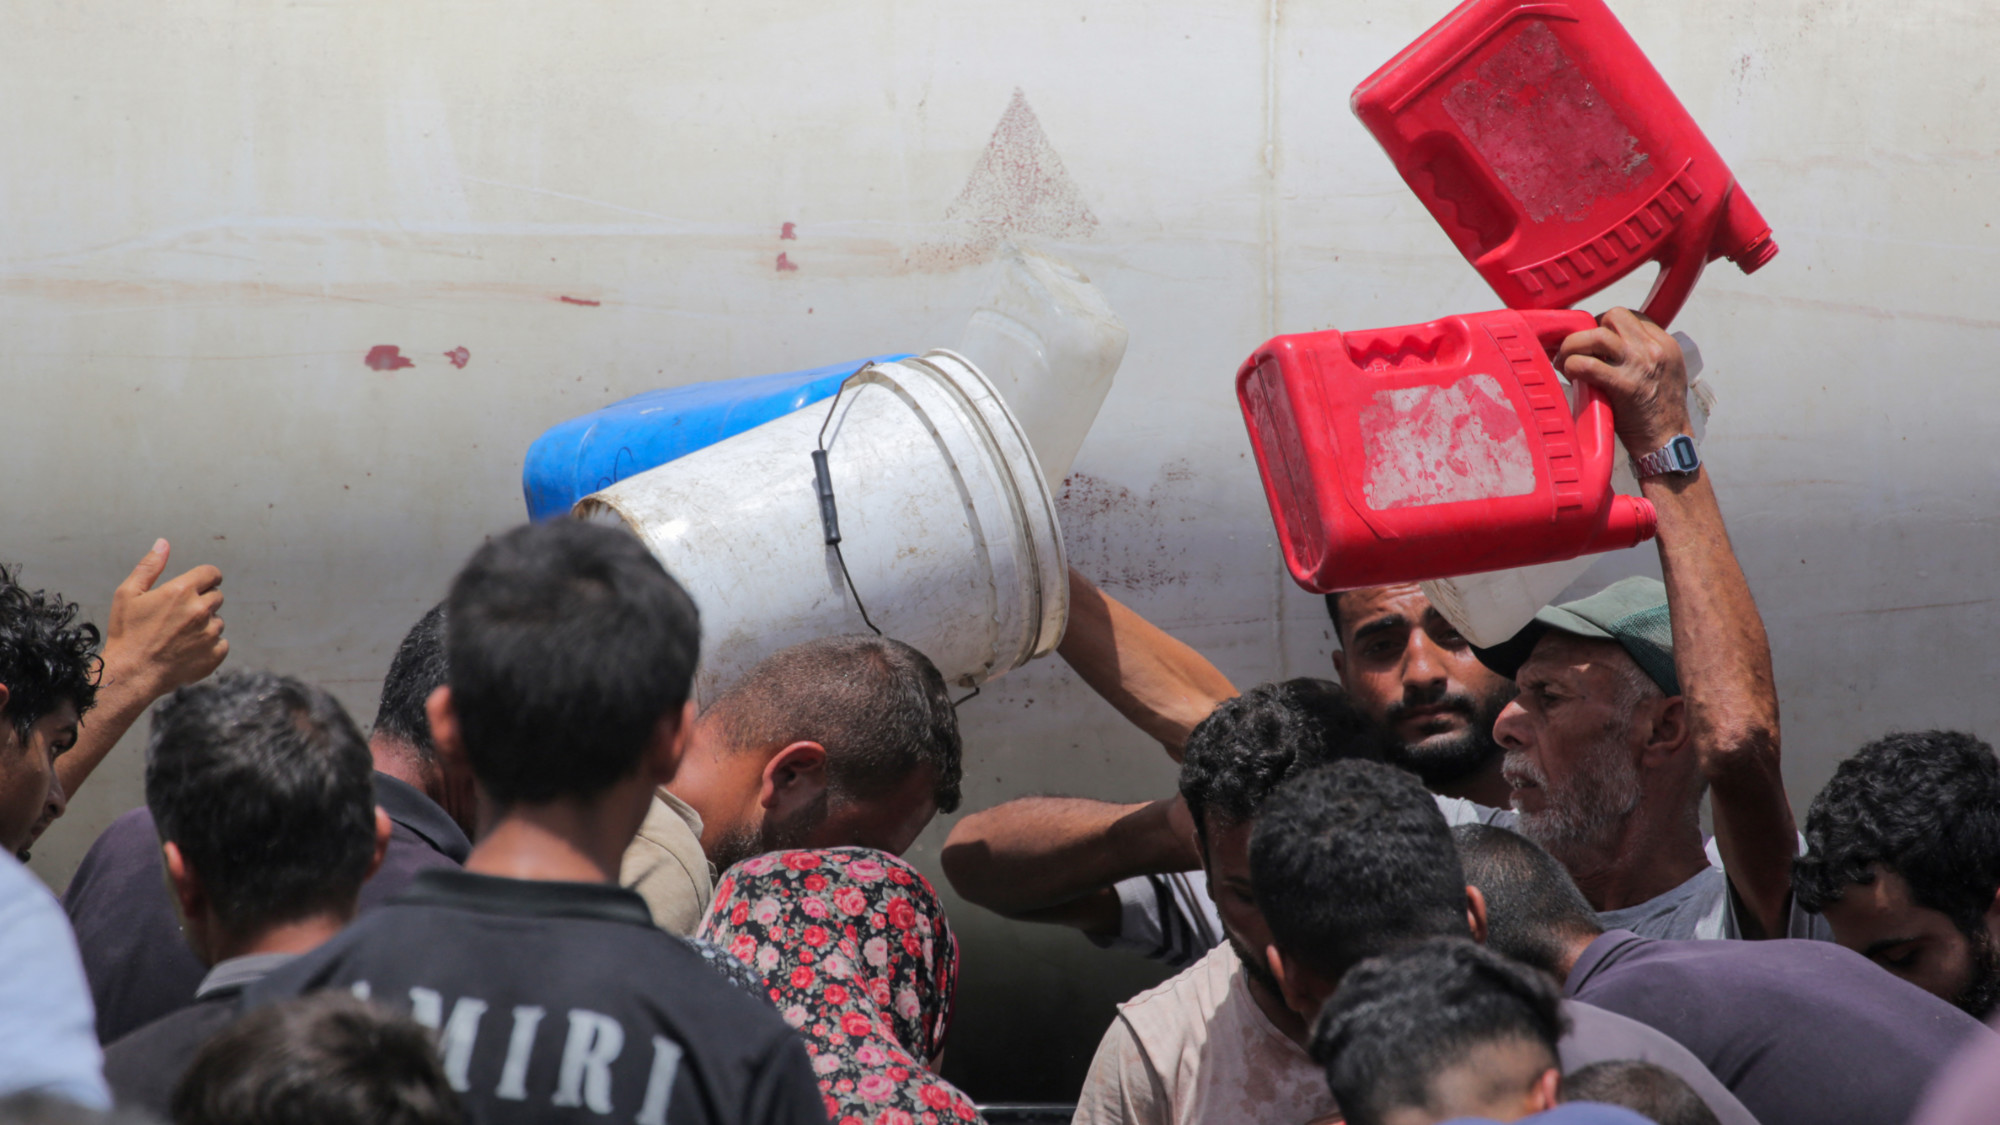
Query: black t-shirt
[[563, 1002], [138, 964], [143, 1068], [1802, 1032]]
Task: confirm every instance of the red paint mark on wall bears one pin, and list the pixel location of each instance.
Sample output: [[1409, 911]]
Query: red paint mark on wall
[[459, 357], [388, 357], [581, 301], [790, 231], [785, 264]]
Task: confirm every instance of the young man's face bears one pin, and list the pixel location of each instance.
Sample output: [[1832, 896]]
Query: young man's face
[[1227, 858], [30, 794], [1407, 667], [1883, 922]]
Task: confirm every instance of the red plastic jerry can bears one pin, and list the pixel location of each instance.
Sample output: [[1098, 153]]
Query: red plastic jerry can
[[1433, 450], [1555, 156]]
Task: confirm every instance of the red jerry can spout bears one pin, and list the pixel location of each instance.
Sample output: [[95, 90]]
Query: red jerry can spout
[[1632, 521], [1745, 238]]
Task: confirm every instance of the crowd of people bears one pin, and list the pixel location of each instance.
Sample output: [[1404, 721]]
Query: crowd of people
[[1459, 883]]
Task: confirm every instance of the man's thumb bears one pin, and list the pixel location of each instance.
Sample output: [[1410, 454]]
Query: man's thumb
[[150, 568]]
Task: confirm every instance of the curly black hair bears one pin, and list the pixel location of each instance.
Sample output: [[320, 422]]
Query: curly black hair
[[1248, 745], [46, 655], [1924, 805]]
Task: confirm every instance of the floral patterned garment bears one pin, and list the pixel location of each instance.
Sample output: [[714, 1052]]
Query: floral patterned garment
[[859, 958]]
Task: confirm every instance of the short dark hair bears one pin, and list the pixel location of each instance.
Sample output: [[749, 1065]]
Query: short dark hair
[[1648, 1089], [878, 706], [1333, 613], [267, 788], [1925, 805], [417, 670], [327, 1058], [46, 655], [1248, 745], [1352, 859], [568, 644], [1402, 1020], [1534, 910]]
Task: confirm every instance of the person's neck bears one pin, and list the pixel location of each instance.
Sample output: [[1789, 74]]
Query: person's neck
[[1281, 1017], [1484, 786], [1651, 853], [400, 763], [568, 840], [300, 936], [1572, 952]]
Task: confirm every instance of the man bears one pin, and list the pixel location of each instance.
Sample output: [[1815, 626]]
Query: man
[[263, 792], [555, 998], [47, 683], [1801, 1031], [1903, 861], [1219, 1041], [1635, 701], [1654, 1093], [159, 637], [327, 1059], [1439, 1031], [139, 966], [839, 742], [1353, 860], [1635, 845]]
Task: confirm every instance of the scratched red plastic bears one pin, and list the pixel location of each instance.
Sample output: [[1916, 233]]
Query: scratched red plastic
[[1555, 156]]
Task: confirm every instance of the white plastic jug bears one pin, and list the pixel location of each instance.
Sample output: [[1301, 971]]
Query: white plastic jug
[[943, 522], [1046, 339], [1491, 607]]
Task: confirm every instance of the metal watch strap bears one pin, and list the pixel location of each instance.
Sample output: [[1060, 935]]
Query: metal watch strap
[[1677, 456]]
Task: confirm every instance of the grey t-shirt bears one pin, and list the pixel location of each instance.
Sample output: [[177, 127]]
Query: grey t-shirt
[[1703, 907], [1171, 918]]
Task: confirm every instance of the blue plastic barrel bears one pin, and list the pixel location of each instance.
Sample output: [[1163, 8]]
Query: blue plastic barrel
[[573, 459]]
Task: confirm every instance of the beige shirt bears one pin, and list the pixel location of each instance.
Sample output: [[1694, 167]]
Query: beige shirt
[[666, 865], [1197, 1049]]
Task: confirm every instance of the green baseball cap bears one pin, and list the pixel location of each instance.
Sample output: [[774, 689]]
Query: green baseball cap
[[1631, 611]]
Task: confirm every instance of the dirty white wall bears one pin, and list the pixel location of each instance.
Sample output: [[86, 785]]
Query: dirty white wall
[[217, 208]]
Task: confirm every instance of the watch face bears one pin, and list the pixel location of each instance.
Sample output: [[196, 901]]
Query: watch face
[[1685, 459]]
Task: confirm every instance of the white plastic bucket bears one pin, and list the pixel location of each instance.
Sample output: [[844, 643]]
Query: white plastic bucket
[[947, 527]]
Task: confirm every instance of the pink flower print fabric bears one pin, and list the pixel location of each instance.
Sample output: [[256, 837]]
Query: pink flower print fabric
[[859, 958]]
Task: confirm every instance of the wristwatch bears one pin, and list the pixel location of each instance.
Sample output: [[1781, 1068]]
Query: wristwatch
[[1677, 456]]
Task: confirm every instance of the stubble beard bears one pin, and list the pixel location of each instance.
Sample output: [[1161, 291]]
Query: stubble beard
[[1981, 994], [1580, 818], [1443, 762]]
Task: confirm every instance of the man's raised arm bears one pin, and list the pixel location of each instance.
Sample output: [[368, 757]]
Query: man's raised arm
[[1160, 685], [1721, 654]]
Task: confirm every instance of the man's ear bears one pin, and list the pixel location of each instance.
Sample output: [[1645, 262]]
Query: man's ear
[[7, 735], [1993, 916], [1669, 732], [383, 829], [189, 895], [1475, 913], [1340, 664], [1290, 987], [1546, 1093], [670, 744], [444, 728], [794, 778]]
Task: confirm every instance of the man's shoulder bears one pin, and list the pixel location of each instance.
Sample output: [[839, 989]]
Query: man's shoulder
[[1201, 987], [144, 1065]]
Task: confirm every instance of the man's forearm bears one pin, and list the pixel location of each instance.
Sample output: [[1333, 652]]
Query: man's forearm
[[122, 696], [1029, 855], [1160, 685], [1723, 659]]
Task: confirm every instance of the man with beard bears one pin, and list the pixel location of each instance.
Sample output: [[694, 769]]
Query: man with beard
[[1121, 873], [1637, 700], [847, 741], [1904, 862]]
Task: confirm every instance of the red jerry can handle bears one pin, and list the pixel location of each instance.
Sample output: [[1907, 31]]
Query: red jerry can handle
[[1631, 520]]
